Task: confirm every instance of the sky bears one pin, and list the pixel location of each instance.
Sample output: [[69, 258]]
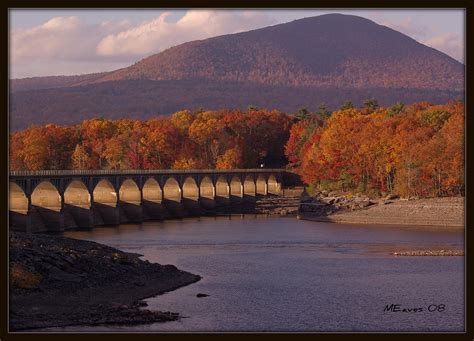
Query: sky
[[47, 42]]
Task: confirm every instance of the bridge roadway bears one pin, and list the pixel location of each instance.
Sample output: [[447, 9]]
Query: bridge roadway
[[56, 200]]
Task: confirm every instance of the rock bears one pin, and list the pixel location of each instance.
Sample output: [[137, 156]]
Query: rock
[[328, 200], [201, 295]]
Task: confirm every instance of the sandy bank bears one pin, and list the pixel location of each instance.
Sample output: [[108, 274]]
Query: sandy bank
[[442, 212]]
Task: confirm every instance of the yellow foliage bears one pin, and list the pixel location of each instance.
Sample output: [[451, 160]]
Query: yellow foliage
[[185, 163]]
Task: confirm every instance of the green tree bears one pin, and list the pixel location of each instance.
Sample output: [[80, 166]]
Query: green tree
[[303, 114], [396, 109], [347, 105], [323, 111], [371, 103]]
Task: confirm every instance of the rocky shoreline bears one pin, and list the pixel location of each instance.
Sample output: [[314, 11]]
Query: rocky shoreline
[[359, 209], [57, 281], [281, 205]]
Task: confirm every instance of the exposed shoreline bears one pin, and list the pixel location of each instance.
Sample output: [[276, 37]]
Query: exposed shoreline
[[428, 253], [444, 213], [57, 281]]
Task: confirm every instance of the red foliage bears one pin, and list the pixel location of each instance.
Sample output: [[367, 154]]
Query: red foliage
[[209, 139], [417, 152]]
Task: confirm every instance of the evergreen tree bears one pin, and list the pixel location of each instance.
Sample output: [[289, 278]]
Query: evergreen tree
[[347, 105], [371, 103]]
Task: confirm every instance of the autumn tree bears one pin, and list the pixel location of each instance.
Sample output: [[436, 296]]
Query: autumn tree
[[80, 158], [232, 158]]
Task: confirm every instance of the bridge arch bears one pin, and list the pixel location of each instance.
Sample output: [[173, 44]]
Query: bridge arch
[[130, 193], [236, 189], [77, 194], [171, 190], [152, 191], [77, 206], [18, 202], [152, 200], [249, 186], [190, 189], [104, 193], [222, 187], [46, 196], [261, 185], [273, 185], [46, 209], [206, 188]]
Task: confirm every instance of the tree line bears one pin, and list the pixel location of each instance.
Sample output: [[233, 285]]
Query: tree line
[[410, 150], [202, 139], [414, 150]]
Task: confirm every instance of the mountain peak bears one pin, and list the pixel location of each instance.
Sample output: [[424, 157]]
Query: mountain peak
[[328, 58], [327, 50]]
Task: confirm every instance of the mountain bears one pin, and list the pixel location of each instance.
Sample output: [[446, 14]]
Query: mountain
[[50, 82], [329, 58]]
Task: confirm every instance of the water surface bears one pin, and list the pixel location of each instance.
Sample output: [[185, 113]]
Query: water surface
[[283, 274]]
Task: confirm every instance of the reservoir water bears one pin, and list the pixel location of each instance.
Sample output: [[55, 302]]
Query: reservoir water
[[287, 275]]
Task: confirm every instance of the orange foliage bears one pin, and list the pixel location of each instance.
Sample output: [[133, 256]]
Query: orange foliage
[[208, 139], [417, 152], [232, 158]]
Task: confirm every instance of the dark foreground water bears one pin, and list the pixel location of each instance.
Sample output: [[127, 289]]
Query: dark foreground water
[[283, 274]]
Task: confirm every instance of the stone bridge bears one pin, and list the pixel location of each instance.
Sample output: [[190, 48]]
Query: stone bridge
[[57, 200]]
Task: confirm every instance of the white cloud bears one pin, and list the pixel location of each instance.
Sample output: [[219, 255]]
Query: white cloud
[[407, 26], [68, 40], [59, 39], [449, 43], [158, 34]]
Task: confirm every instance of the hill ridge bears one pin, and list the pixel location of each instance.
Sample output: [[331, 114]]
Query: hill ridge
[[332, 57]]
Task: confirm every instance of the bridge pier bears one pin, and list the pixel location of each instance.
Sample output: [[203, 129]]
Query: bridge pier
[[45, 219], [78, 217], [190, 196], [105, 215], [249, 189], [152, 200], [130, 213]]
